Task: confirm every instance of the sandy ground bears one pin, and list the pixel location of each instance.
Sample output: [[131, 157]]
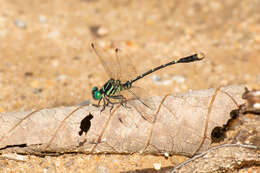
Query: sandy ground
[[46, 59]]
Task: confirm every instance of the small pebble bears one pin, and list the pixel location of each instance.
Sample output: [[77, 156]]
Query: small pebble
[[102, 169], [99, 31], [69, 163], [37, 90], [76, 57], [178, 79], [54, 34], [43, 19], [28, 74], [55, 63], [156, 77], [165, 82], [256, 93], [20, 24], [46, 170], [62, 77], [166, 155], [102, 31], [157, 166], [256, 105]]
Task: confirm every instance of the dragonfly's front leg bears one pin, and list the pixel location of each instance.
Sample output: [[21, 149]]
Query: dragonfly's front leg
[[99, 103], [104, 104]]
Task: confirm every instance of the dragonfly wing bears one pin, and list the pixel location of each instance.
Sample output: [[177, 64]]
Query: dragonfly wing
[[117, 63], [126, 70], [106, 56], [141, 102]]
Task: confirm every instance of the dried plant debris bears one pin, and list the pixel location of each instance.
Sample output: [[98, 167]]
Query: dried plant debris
[[183, 125], [243, 125], [241, 134], [218, 134], [223, 158], [253, 101]]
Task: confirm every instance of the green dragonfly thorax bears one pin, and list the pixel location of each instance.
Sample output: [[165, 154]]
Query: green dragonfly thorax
[[111, 88]]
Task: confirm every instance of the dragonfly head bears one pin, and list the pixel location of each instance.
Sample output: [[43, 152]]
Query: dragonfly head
[[96, 93]]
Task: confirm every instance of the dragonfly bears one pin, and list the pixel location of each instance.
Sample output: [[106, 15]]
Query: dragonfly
[[112, 92]]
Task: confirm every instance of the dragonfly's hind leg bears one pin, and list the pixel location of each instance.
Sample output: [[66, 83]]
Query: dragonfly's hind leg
[[122, 99]]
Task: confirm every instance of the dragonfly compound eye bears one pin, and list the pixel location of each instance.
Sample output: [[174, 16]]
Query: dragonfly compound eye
[[96, 94]]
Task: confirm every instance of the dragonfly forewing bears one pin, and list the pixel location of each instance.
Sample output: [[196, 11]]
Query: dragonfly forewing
[[107, 57]]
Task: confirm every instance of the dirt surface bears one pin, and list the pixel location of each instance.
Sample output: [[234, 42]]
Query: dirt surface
[[46, 59]]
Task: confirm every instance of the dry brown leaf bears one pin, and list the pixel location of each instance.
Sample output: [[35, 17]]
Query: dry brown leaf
[[183, 125]]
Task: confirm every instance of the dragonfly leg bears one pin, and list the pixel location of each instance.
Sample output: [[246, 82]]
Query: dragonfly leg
[[107, 102], [111, 103], [122, 99], [99, 102], [104, 105]]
